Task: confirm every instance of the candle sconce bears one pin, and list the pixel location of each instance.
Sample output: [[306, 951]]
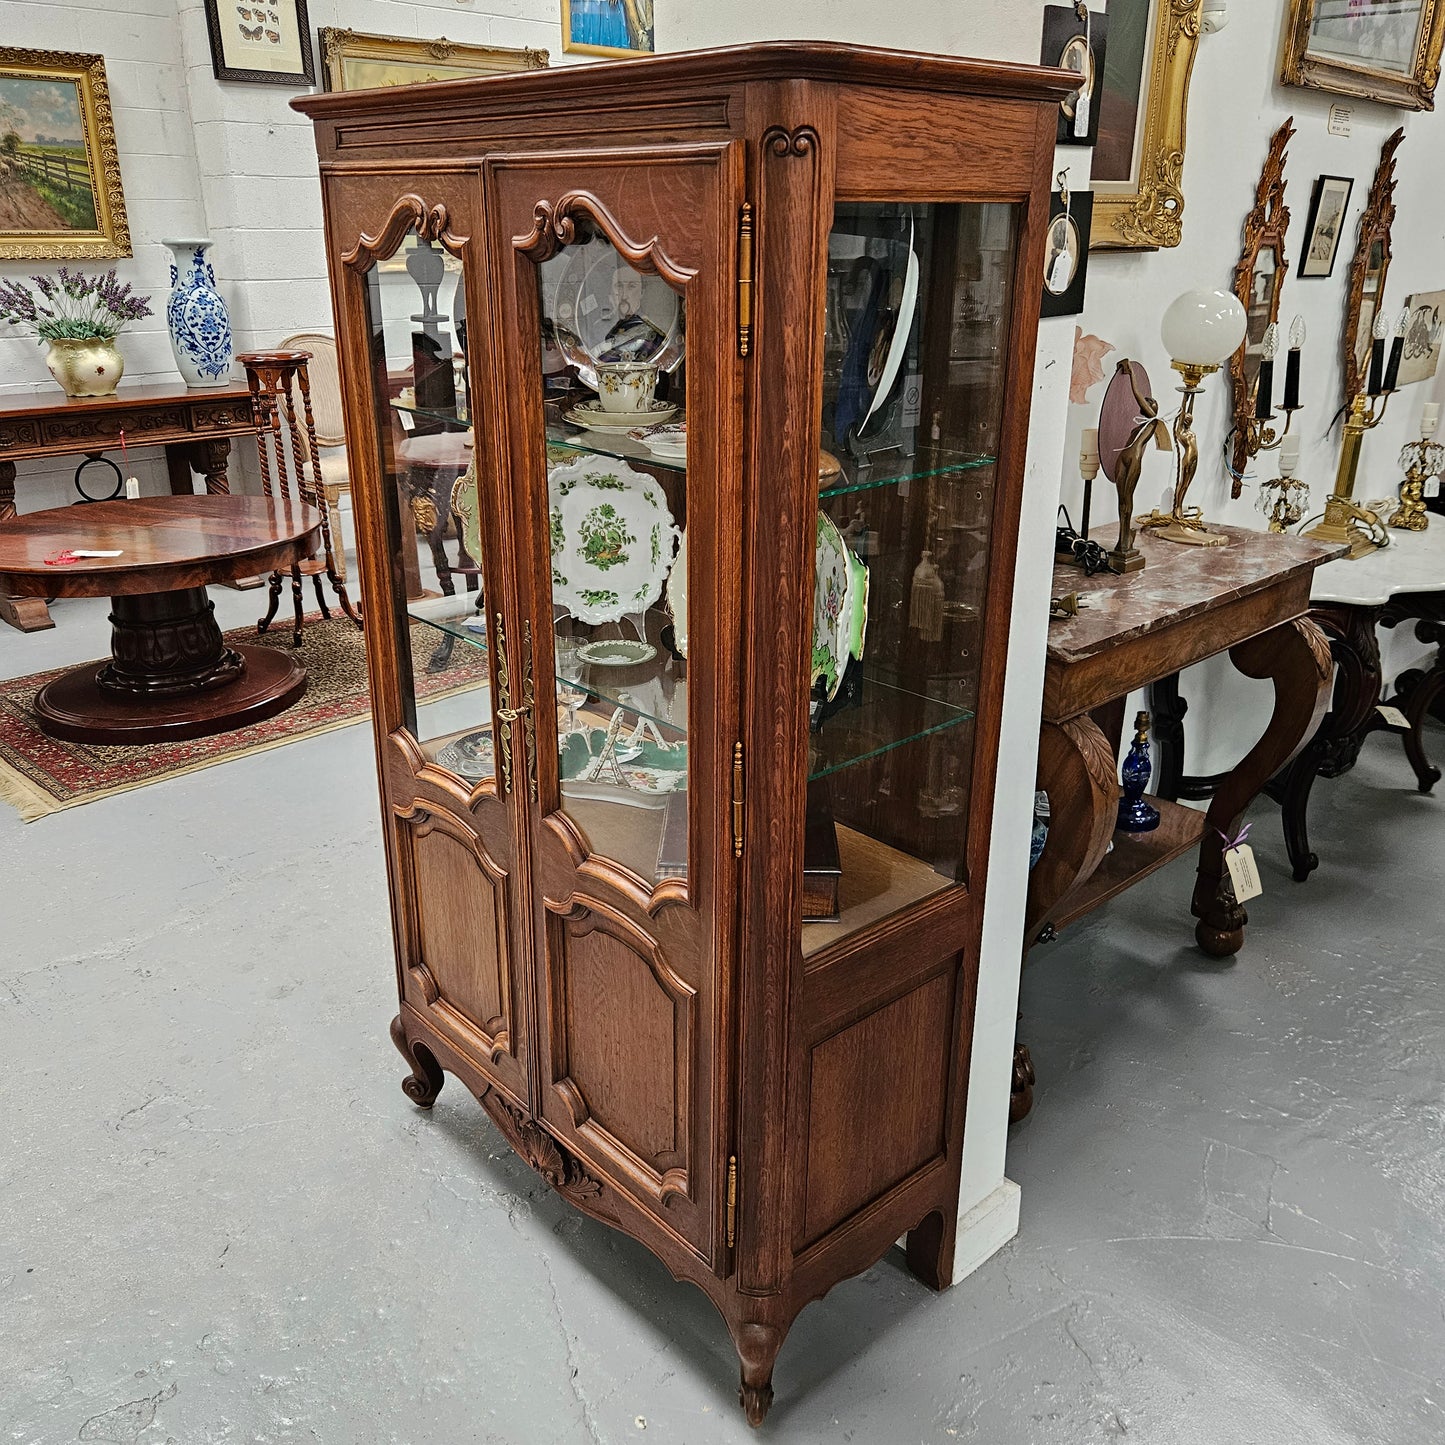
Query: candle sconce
[[1258, 284]]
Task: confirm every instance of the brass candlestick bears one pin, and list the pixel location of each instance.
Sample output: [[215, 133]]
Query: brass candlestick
[[1186, 524], [1345, 521], [1421, 459]]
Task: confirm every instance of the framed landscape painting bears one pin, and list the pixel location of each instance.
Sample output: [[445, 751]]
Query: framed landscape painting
[[60, 192], [1384, 50], [608, 27]]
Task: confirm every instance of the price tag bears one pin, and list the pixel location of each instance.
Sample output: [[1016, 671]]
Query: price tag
[[1393, 716], [1061, 274], [1242, 872], [1081, 114], [408, 422], [1432, 487], [1340, 122]]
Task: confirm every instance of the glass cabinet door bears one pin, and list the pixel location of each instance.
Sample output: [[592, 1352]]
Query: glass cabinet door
[[426, 440], [622, 387], [918, 310]]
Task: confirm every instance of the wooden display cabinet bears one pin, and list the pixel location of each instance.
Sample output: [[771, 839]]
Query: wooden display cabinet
[[596, 836]]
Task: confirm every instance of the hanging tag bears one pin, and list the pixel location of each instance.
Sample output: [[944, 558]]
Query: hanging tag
[[1082, 99], [1432, 487], [1393, 716], [1242, 872], [132, 489], [1061, 273]]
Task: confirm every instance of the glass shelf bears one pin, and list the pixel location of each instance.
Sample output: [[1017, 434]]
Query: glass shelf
[[889, 715], [893, 468], [608, 444], [447, 415]]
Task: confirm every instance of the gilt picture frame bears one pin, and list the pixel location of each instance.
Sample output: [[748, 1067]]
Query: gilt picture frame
[[59, 167], [266, 42], [608, 27], [356, 60], [1138, 164], [1389, 53]]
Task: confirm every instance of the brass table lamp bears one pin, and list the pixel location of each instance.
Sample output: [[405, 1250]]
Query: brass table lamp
[[1201, 331]]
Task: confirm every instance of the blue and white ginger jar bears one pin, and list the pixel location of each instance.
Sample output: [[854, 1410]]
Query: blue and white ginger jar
[[196, 317]]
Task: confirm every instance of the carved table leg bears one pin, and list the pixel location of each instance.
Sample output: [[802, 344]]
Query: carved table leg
[[1332, 751], [1296, 659], [28, 614], [1426, 689], [210, 459], [1168, 709], [1076, 770], [758, 1346], [1417, 709]]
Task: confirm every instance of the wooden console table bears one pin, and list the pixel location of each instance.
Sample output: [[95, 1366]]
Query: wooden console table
[[1404, 582], [195, 428], [1250, 599]]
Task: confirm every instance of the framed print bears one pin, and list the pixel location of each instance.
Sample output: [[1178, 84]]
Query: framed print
[[1077, 44], [608, 27], [1423, 332], [1066, 252], [1329, 206], [352, 60], [60, 192], [1384, 50], [1139, 158], [261, 40]]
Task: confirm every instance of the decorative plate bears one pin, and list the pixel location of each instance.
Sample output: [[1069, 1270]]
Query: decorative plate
[[616, 652], [669, 442], [601, 309], [898, 341], [470, 756], [832, 606], [595, 763], [612, 538], [595, 417], [677, 596]]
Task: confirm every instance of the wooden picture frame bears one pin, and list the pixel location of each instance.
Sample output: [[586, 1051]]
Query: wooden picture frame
[[63, 155], [262, 41], [1369, 269], [1143, 109], [608, 27], [1259, 284], [1325, 226], [356, 60], [1373, 56]]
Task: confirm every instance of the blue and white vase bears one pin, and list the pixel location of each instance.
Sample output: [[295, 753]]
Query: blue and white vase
[[196, 316]]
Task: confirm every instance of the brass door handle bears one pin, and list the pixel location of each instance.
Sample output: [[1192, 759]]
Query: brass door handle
[[506, 716]]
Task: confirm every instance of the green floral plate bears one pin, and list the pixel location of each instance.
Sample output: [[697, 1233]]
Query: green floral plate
[[840, 606], [613, 538]]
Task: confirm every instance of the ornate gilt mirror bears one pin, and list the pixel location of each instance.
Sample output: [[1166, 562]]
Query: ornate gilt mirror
[[1259, 282], [1370, 268]]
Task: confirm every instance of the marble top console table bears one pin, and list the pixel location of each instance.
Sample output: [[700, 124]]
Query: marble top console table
[[1404, 582]]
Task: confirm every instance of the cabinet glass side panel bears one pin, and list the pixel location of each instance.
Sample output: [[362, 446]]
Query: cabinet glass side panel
[[918, 312], [416, 305], [613, 387]]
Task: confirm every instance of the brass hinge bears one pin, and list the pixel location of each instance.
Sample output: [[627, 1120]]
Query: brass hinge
[[732, 1199], [737, 800], [745, 279]]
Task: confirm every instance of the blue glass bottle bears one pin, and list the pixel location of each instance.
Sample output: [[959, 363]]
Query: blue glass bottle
[[1135, 815]]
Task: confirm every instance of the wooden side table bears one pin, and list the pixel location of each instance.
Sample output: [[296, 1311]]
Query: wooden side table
[[195, 427], [170, 675]]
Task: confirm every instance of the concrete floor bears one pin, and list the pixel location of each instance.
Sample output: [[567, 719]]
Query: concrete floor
[[221, 1221]]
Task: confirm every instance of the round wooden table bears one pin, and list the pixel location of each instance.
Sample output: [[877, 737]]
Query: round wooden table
[[170, 674]]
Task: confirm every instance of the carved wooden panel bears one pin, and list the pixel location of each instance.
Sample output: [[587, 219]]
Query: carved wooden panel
[[628, 1041], [19, 434], [107, 426], [461, 933], [878, 1104]]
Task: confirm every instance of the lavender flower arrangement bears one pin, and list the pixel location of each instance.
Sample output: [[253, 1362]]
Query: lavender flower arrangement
[[72, 306]]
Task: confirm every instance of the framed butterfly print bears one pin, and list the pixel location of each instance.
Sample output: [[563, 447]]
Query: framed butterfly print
[[261, 40]]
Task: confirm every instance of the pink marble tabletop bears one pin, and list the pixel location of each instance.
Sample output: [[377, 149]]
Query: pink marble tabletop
[[1177, 582]]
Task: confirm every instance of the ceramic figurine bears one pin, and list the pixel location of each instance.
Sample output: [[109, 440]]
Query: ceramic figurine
[[196, 317], [1135, 815]]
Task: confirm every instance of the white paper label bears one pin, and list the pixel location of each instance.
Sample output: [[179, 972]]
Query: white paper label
[[1242, 872], [1061, 273], [1341, 118], [408, 422], [1432, 487], [1081, 114], [1393, 716], [132, 489], [912, 399]]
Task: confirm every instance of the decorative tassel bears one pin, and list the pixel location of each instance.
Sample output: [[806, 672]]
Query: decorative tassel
[[925, 600]]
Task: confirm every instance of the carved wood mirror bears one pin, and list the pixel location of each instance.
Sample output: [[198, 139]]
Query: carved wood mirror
[[1259, 282], [1369, 268]]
